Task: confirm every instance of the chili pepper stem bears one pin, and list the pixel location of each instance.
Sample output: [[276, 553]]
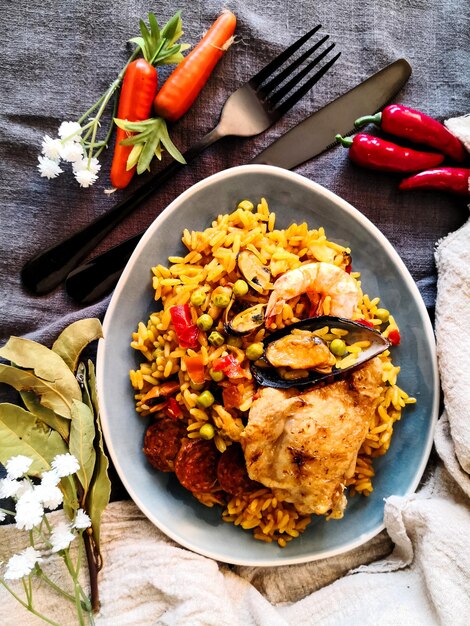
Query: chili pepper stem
[[368, 119], [344, 141]]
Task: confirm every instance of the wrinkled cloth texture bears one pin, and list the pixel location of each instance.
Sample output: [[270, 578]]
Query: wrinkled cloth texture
[[58, 57]]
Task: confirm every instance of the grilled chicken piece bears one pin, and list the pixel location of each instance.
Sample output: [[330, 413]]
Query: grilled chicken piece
[[304, 445]]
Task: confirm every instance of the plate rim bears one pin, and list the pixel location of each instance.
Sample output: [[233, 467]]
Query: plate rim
[[429, 335]]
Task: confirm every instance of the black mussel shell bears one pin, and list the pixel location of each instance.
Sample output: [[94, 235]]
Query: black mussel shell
[[255, 273], [268, 376], [245, 321]]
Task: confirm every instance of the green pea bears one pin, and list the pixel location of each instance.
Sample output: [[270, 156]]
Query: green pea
[[240, 288], [246, 205], [216, 338], [235, 341], [382, 314], [204, 322], [198, 298], [254, 351], [216, 376], [207, 431], [338, 347], [222, 299], [205, 400]]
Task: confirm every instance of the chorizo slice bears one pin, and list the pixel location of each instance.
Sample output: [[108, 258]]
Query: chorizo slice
[[196, 465], [162, 441], [232, 473]]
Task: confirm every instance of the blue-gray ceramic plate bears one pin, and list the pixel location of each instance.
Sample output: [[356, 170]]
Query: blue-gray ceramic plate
[[168, 505]]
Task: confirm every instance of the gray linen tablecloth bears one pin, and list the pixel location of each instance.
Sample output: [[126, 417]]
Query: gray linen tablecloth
[[59, 56]]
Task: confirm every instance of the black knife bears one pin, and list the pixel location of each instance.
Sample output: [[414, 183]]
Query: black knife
[[96, 278]]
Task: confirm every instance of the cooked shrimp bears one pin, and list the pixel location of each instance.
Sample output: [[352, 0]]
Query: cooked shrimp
[[316, 279]]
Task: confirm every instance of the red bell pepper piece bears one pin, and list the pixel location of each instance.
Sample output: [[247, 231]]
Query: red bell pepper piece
[[378, 154], [394, 337], [365, 323], [417, 127], [453, 179], [186, 330], [173, 409], [229, 366]]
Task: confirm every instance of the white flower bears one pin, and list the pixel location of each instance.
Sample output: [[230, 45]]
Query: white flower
[[22, 564], [51, 148], [94, 165], [50, 496], [82, 520], [65, 465], [61, 537], [17, 466], [85, 177], [2, 515], [48, 168], [8, 487], [29, 511], [71, 151], [69, 130], [23, 487], [50, 479]]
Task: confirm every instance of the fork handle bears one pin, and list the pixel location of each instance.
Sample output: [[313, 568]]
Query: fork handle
[[49, 268]]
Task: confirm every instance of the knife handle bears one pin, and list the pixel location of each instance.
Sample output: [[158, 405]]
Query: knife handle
[[98, 277], [49, 268]]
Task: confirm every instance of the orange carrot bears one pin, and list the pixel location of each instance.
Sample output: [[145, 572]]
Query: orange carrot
[[184, 84], [195, 368]]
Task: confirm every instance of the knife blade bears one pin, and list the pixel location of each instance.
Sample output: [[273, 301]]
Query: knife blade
[[314, 135]]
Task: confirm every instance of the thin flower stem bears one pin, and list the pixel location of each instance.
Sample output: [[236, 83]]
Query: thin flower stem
[[77, 587], [7, 512], [29, 608], [52, 584], [27, 592]]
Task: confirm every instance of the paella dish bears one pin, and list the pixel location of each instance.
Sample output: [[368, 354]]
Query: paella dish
[[265, 373]]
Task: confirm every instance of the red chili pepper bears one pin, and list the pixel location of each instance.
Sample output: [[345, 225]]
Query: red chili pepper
[[454, 179], [186, 330], [229, 366], [394, 337], [365, 323], [378, 154], [417, 127], [173, 409]]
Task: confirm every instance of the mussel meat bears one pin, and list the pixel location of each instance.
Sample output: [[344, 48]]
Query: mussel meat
[[255, 273], [295, 356], [246, 321], [300, 349]]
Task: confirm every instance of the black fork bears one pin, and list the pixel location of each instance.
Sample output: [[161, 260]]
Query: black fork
[[248, 111]]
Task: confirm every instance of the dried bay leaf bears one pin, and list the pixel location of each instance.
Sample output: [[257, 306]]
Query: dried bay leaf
[[22, 433], [82, 435], [100, 490], [75, 338], [56, 422], [46, 365], [50, 396]]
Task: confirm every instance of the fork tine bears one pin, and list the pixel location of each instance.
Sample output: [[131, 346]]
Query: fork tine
[[279, 60], [295, 97], [277, 80], [285, 89]]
